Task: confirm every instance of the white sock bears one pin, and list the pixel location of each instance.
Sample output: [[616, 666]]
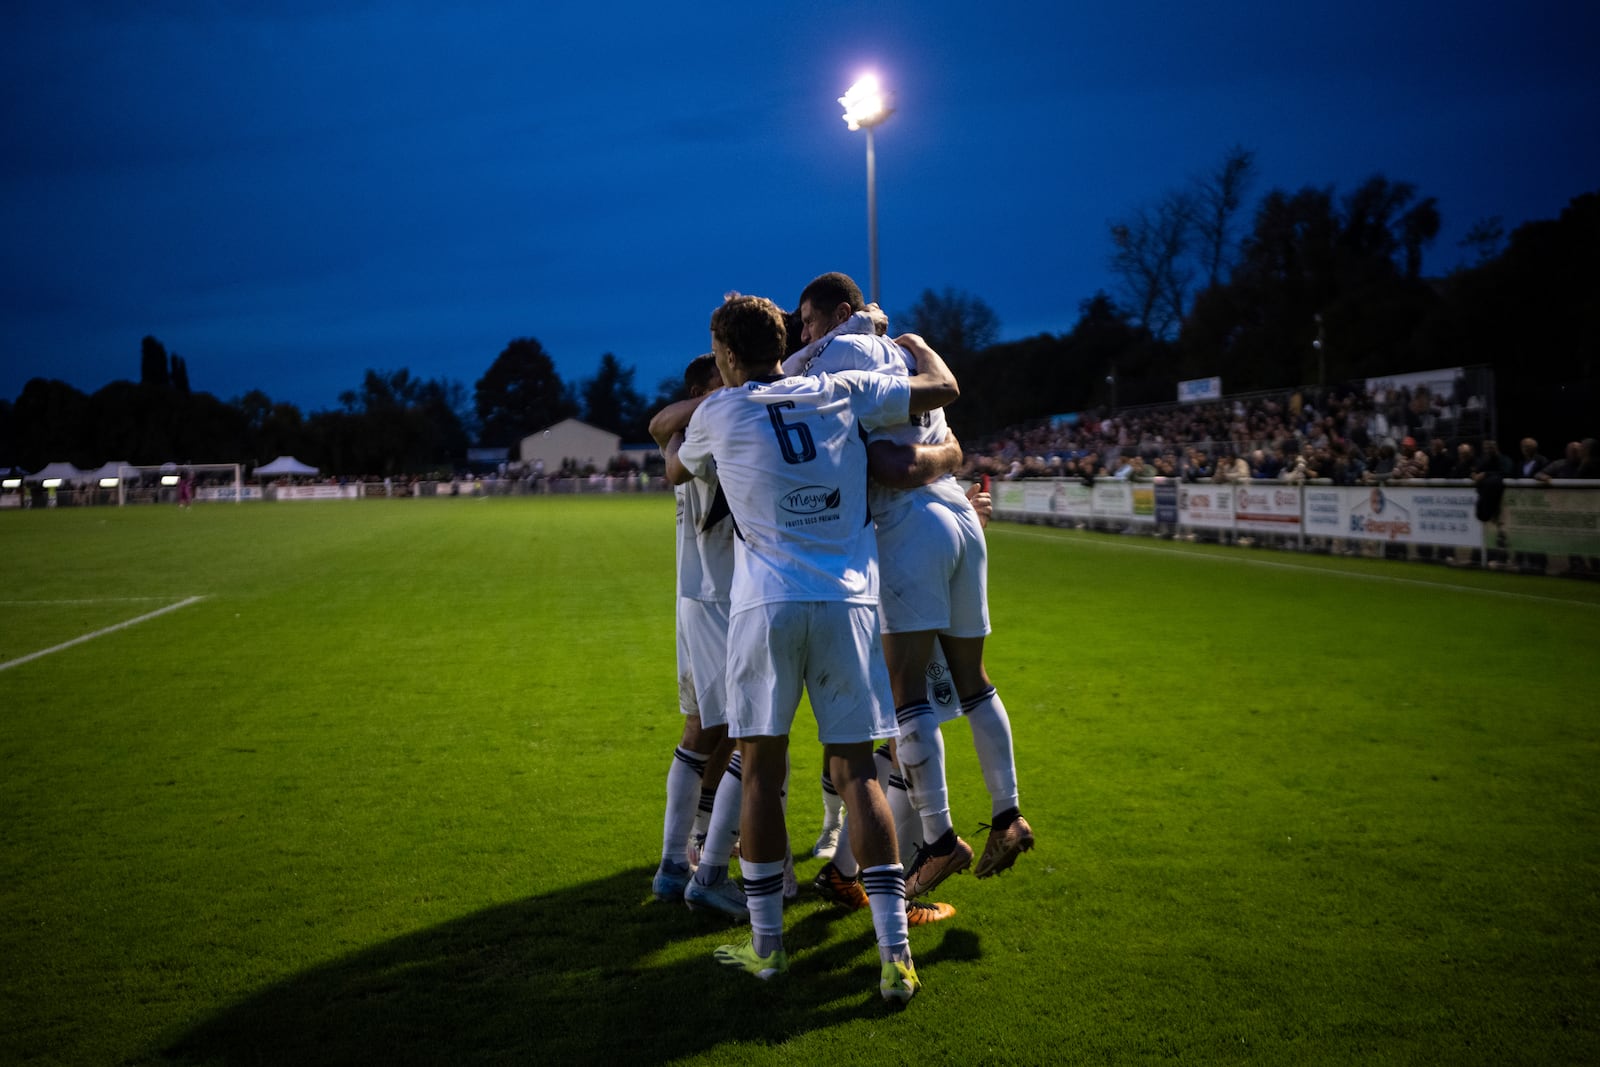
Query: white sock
[[832, 803], [886, 893], [844, 857], [763, 894], [883, 760], [702, 815], [723, 829], [921, 751], [991, 737], [683, 795], [907, 823]]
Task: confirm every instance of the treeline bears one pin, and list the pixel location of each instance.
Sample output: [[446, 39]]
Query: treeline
[[1307, 287], [394, 423], [1313, 287]]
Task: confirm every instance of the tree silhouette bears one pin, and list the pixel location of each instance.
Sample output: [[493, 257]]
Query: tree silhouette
[[1149, 250], [271, 429], [396, 423], [1486, 238], [954, 323], [153, 363], [51, 420], [1218, 199], [520, 393], [612, 403], [1533, 315], [1355, 261]]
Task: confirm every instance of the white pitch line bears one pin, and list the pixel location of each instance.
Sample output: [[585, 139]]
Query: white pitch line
[[30, 657], [83, 600], [1244, 562]]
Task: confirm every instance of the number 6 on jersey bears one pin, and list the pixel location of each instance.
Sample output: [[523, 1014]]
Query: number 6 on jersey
[[794, 438]]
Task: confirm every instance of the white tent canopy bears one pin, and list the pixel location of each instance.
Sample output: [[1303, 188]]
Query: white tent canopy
[[284, 465], [65, 471], [109, 470]]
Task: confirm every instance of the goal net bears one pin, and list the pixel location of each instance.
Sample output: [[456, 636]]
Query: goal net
[[181, 483]]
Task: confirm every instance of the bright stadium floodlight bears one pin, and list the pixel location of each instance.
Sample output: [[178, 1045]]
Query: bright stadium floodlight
[[110, 483], [11, 483], [866, 106], [169, 479], [51, 483]]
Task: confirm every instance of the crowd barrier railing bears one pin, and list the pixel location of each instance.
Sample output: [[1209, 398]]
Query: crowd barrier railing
[[1546, 527]]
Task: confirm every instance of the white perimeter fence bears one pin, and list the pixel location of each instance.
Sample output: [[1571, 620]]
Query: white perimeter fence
[[1541, 526]]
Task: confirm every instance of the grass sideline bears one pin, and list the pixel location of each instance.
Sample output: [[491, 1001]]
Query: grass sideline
[[391, 793]]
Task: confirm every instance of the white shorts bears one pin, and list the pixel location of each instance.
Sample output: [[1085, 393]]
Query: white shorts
[[702, 659], [830, 649], [934, 572]]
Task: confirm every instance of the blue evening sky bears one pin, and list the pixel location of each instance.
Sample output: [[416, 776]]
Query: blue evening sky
[[288, 193]]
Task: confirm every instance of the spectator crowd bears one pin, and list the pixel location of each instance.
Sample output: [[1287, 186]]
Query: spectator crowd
[[1347, 436]]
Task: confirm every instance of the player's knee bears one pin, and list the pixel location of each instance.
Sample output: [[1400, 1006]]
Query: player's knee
[[850, 764]]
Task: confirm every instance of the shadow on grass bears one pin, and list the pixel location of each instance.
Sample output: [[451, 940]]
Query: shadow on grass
[[565, 977]]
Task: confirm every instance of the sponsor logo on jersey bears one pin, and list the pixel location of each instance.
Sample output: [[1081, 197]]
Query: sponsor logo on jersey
[[810, 500]]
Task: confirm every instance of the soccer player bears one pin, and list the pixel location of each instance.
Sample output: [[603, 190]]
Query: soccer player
[[935, 578], [791, 457], [701, 776], [902, 466], [701, 764]]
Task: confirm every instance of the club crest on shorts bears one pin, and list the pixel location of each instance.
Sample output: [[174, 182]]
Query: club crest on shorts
[[939, 686]]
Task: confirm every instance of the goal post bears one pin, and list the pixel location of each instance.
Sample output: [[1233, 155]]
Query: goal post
[[211, 482]]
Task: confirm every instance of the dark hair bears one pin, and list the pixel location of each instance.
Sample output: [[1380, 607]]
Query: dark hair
[[701, 373], [752, 328], [794, 328], [828, 291]]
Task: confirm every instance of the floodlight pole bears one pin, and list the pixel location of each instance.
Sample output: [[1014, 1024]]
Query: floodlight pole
[[872, 213], [864, 108]]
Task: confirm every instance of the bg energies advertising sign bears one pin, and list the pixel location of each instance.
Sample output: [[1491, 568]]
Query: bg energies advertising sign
[[1397, 514]]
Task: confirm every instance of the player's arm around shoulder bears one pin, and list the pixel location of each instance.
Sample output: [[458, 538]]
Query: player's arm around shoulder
[[676, 472], [674, 418], [686, 449], [907, 466], [933, 386]]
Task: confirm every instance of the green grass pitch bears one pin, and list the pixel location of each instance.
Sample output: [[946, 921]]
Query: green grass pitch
[[391, 792]]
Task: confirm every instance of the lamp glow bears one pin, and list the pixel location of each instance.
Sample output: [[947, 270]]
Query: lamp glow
[[109, 483], [864, 104]]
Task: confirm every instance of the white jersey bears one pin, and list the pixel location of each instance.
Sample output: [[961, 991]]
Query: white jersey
[[791, 455], [800, 361], [849, 350], [705, 541]]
